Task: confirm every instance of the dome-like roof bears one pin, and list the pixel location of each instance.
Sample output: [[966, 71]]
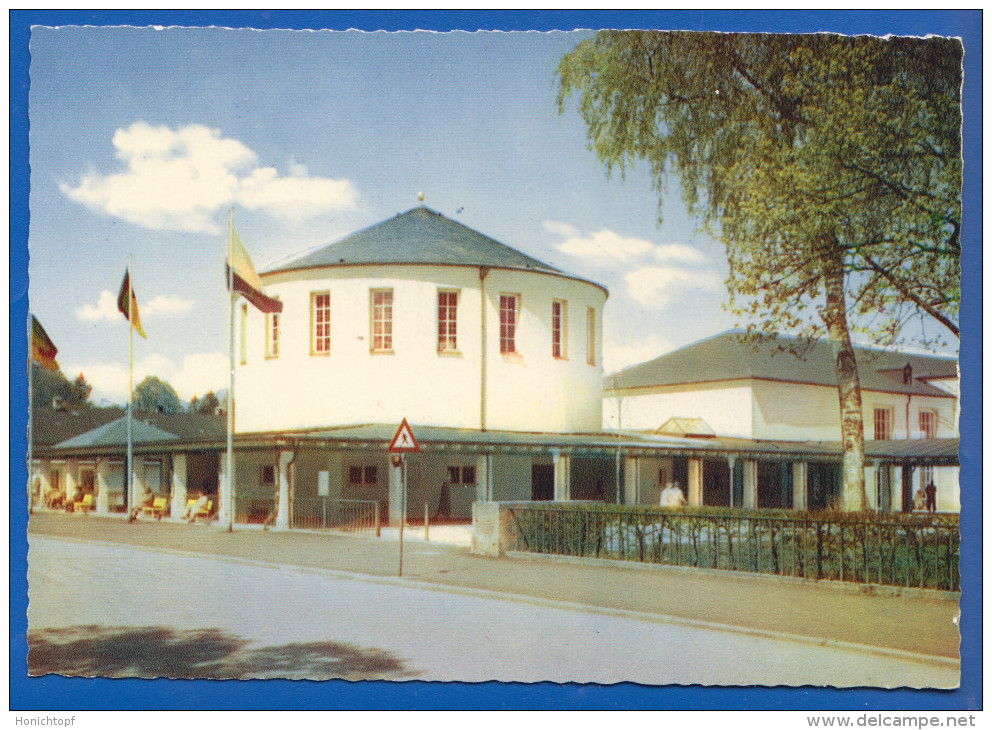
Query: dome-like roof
[[418, 236]]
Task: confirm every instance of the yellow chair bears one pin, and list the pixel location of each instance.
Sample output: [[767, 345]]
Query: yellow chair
[[202, 512], [84, 505], [157, 509]]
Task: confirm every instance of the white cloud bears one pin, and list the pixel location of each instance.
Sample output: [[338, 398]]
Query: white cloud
[[658, 285], [620, 354], [180, 179], [679, 252], [606, 245], [164, 305], [195, 375], [562, 229], [105, 309]]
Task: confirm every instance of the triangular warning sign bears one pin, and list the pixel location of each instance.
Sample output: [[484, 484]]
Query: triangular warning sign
[[403, 441]]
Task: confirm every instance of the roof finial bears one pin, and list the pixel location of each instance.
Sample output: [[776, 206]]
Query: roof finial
[[420, 196]]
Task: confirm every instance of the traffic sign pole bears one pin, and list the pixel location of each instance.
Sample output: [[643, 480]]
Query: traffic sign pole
[[402, 509], [403, 443]]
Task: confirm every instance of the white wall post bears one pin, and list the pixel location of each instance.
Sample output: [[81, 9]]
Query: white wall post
[[282, 516], [71, 474], [395, 494], [750, 484], [178, 507], [695, 475], [102, 486], [225, 509], [563, 491], [799, 471]]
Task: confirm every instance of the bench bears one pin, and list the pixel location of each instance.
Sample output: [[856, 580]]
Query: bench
[[84, 505], [202, 512], [157, 509]]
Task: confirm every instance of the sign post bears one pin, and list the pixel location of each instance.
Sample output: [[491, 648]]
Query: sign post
[[403, 442]]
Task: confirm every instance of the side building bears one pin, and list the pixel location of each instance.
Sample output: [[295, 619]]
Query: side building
[[728, 387]]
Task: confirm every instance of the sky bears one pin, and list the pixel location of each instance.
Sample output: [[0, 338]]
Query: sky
[[142, 140]]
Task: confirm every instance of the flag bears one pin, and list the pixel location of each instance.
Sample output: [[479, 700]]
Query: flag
[[124, 309], [43, 350], [245, 280]]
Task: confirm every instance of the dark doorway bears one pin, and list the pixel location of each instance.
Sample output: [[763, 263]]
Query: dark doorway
[[716, 483], [823, 484], [774, 485], [680, 473], [542, 482], [593, 478]]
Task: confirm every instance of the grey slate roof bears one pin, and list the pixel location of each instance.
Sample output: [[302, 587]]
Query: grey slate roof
[[727, 357], [115, 433], [418, 236]]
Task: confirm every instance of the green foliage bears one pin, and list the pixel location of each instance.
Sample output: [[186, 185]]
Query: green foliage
[[208, 404], [795, 149], [49, 385], [153, 394]]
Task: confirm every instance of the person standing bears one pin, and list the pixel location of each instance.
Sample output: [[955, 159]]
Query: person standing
[[931, 492]]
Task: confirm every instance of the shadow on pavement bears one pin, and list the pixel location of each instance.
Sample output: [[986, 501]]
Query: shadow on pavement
[[155, 651]]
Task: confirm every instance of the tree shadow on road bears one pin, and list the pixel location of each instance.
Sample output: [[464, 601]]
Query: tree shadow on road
[[155, 651]]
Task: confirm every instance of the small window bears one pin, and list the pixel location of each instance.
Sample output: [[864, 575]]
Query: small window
[[559, 328], [591, 336], [508, 306], [272, 334], [382, 320], [268, 474], [461, 475], [468, 475], [363, 474], [320, 323], [928, 424], [447, 321], [354, 475], [371, 475], [883, 424], [454, 474]]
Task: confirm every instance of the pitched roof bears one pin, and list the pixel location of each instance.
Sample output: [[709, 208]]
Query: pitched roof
[[728, 357], [115, 433], [418, 236], [50, 426]]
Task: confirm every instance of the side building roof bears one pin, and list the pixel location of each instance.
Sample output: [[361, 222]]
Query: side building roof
[[728, 356], [418, 236]]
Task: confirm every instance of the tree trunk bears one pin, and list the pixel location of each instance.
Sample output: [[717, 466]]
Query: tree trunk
[[834, 313]]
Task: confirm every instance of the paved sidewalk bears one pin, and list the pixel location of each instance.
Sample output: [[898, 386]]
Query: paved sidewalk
[[916, 621]]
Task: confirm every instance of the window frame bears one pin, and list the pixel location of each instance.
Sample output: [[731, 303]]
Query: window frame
[[315, 338], [559, 329], [447, 326], [887, 422], [367, 475], [272, 334], [513, 327], [387, 337], [265, 471], [932, 414]]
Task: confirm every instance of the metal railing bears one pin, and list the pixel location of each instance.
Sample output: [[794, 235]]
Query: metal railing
[[322, 513], [900, 550], [253, 510]]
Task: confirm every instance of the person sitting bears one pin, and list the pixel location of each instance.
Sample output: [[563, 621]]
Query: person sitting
[[195, 508], [147, 499], [919, 500], [672, 496]]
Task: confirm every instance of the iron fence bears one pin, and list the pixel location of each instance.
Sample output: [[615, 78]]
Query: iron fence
[[322, 513], [900, 550]]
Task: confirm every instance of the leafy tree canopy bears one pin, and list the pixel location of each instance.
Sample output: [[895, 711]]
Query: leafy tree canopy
[[50, 385], [793, 148], [153, 394], [208, 404]]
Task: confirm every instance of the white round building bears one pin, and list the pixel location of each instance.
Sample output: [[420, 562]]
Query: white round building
[[420, 317]]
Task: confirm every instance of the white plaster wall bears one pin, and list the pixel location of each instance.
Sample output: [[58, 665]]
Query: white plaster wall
[[725, 407], [531, 391]]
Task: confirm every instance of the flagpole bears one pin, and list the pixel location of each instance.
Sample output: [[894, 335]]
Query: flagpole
[[230, 386], [130, 386]]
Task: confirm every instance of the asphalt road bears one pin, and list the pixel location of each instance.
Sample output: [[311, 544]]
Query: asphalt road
[[455, 615]]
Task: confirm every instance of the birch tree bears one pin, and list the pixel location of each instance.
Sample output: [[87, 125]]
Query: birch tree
[[829, 166]]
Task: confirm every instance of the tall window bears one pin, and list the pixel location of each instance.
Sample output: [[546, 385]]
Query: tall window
[[320, 323], [382, 320], [508, 305], [926, 476], [591, 336], [447, 321], [883, 424], [367, 475], [272, 334], [243, 327], [559, 328], [928, 424]]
